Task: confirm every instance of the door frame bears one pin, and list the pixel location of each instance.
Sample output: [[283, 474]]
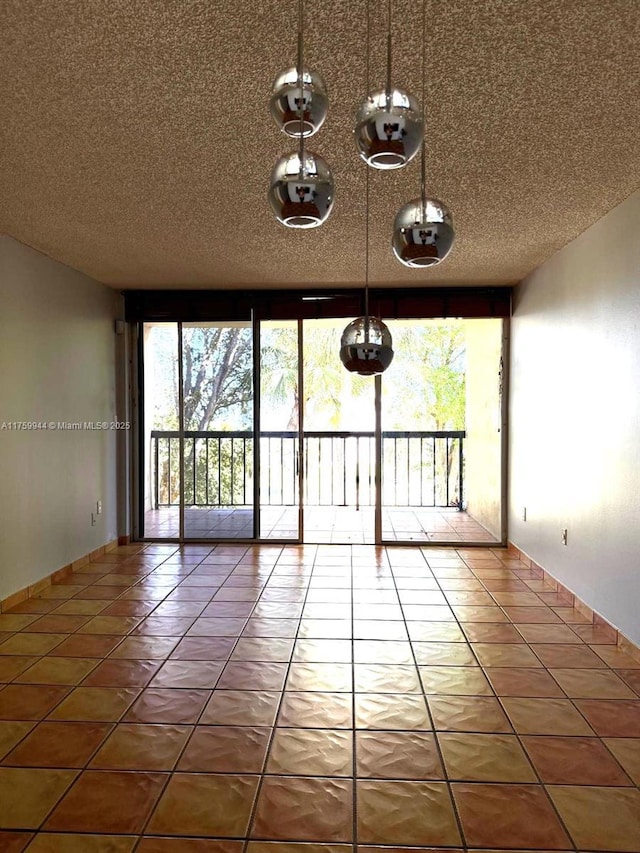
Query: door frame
[[138, 485]]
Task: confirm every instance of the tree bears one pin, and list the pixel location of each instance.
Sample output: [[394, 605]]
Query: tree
[[326, 383], [425, 385], [424, 389], [217, 381], [217, 377]]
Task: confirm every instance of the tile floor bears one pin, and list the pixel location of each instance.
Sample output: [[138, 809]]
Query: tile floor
[[311, 699]]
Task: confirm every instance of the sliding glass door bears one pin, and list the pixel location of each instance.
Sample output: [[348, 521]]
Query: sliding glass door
[[247, 435], [218, 454], [441, 432], [208, 389], [280, 430]]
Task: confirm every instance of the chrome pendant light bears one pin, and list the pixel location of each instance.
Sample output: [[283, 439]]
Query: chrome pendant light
[[301, 190], [294, 94], [389, 127], [366, 346], [423, 232], [299, 100]]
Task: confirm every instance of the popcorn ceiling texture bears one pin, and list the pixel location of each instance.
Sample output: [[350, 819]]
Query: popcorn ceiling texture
[[137, 144]]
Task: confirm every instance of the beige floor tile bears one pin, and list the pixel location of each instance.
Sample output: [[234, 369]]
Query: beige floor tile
[[28, 795], [413, 813], [600, 818], [485, 758], [204, 804]]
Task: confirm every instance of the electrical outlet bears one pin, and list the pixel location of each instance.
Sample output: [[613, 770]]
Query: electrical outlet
[[564, 535], [98, 507], [524, 513], [93, 519]]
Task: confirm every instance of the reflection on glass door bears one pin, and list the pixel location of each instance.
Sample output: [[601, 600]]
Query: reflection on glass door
[[441, 423], [160, 436], [339, 442], [422, 424], [217, 418], [280, 430]]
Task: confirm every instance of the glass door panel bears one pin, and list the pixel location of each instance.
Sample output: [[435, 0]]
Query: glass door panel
[[442, 431], [280, 429], [485, 428], [422, 424], [217, 415], [160, 468], [339, 441]]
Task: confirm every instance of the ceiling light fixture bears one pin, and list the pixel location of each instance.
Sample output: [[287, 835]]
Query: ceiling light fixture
[[366, 346], [423, 228], [389, 125], [301, 190], [295, 91]]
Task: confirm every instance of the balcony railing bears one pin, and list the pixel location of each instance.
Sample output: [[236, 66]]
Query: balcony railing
[[419, 469]]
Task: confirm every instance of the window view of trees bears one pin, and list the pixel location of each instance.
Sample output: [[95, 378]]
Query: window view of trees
[[217, 379], [423, 389]]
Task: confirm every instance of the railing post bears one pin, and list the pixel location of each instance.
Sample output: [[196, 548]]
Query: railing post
[[193, 460], [434, 470], [233, 476], [206, 471], [344, 470], [460, 479], [357, 474], [157, 467]]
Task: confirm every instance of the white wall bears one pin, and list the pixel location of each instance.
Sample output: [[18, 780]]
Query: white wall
[[57, 363], [575, 416]]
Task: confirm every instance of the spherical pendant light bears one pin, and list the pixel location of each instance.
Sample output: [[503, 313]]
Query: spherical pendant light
[[301, 191], [422, 233], [366, 346], [289, 97], [389, 129]]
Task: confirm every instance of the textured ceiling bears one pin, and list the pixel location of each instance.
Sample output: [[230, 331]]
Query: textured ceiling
[[137, 144]]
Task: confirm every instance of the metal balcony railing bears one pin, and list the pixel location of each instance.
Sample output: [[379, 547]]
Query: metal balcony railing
[[419, 468]]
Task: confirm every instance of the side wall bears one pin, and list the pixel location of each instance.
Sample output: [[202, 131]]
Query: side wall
[[575, 417], [57, 364]]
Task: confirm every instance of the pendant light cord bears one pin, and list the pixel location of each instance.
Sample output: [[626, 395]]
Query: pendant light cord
[[388, 55], [366, 265], [423, 190], [366, 197], [301, 82]]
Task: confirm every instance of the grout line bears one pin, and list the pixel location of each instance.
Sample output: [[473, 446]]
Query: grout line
[[436, 741], [274, 726], [171, 773], [516, 733], [354, 759]]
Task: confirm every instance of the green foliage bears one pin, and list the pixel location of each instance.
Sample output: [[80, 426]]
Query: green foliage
[[217, 378], [425, 386], [424, 389]]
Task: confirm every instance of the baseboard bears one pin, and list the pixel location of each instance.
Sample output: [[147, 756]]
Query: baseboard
[[34, 588], [572, 600]]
